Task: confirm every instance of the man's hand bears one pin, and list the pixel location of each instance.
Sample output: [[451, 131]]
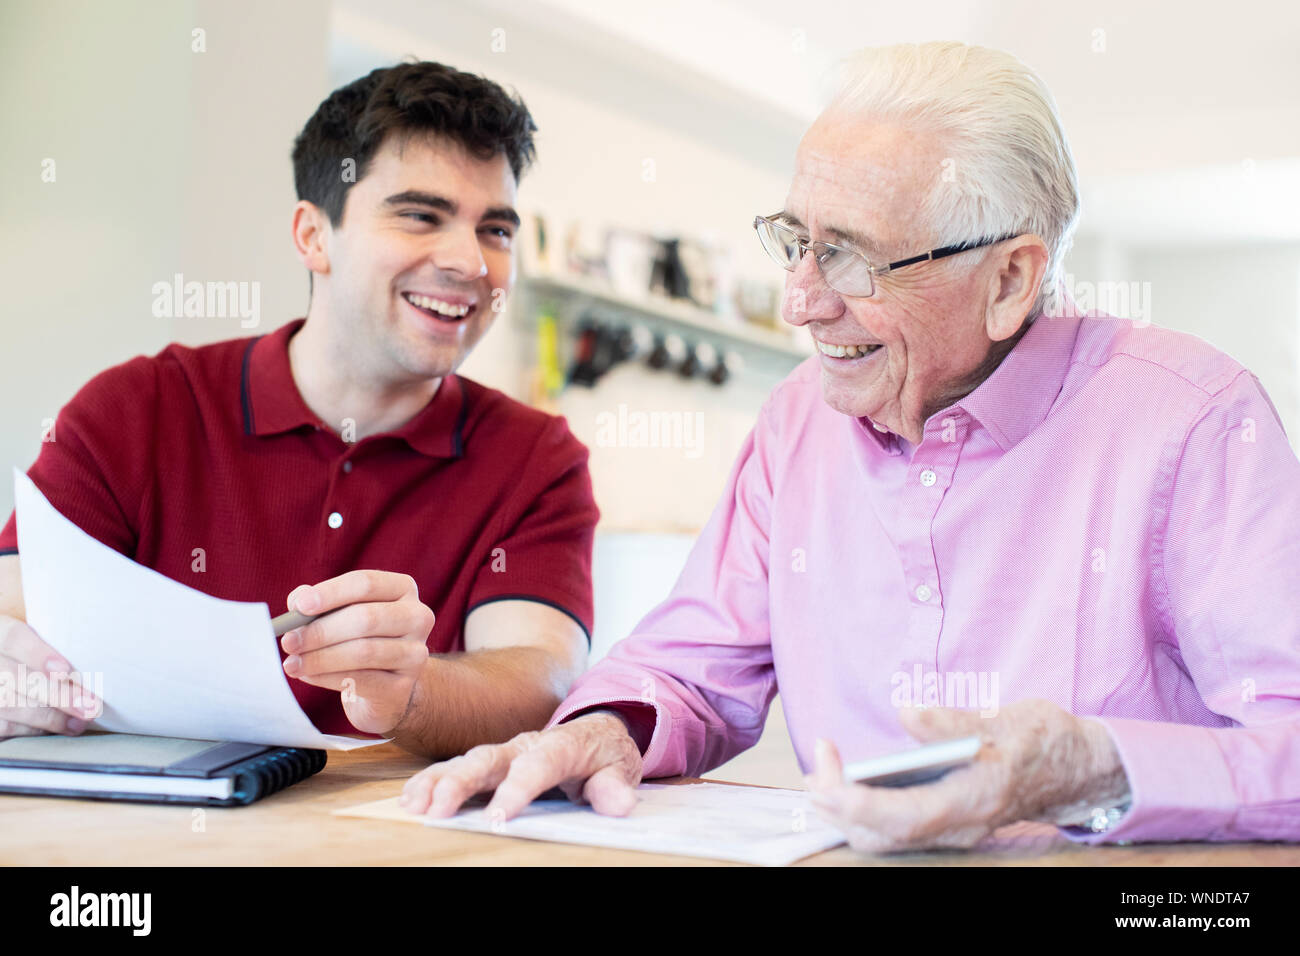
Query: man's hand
[[1038, 762], [45, 698], [372, 650], [590, 758]]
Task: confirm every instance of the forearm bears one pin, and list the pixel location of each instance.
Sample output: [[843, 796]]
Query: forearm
[[480, 697], [688, 722]]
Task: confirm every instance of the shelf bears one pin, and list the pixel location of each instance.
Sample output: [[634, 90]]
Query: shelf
[[671, 311]]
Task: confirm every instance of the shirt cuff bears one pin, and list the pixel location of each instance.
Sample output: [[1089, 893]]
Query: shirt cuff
[[639, 713], [1179, 782]]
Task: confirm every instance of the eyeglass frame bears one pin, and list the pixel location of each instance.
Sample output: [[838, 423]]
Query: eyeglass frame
[[806, 245]]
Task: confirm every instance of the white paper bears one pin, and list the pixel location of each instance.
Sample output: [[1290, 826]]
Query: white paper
[[770, 827], [174, 662]]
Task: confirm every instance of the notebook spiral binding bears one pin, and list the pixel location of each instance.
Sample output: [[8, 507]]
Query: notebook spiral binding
[[275, 771]]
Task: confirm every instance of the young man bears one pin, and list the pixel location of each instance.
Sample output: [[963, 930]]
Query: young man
[[339, 462]]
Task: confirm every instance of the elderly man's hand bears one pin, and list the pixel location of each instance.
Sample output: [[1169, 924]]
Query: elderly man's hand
[[590, 758], [1037, 762]]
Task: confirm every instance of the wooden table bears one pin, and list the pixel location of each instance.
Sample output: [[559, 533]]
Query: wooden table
[[295, 828]]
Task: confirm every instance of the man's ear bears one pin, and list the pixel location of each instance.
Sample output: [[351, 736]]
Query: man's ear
[[311, 235], [1021, 264]]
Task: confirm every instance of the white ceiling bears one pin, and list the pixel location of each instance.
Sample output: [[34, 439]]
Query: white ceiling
[[1193, 99], [1223, 78]]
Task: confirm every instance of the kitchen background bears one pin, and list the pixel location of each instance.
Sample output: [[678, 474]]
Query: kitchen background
[[664, 128]]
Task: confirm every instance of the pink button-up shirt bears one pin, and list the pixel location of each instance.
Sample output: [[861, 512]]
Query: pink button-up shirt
[[1110, 521]]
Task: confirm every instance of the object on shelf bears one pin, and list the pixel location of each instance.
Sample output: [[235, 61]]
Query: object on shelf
[[629, 342], [629, 261], [601, 346], [550, 373], [759, 303], [728, 364], [635, 265], [668, 350], [584, 253], [702, 264], [585, 369], [691, 365], [722, 287], [534, 252], [668, 277], [571, 295]]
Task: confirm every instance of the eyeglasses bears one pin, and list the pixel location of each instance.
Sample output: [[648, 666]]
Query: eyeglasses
[[845, 271]]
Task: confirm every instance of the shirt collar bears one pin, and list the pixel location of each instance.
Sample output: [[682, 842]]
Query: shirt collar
[[881, 435], [1015, 399], [272, 404], [1020, 392]]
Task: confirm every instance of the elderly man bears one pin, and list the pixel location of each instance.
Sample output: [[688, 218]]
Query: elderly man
[[1097, 519]]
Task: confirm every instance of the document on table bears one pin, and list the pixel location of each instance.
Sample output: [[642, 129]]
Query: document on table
[[173, 661], [719, 821]]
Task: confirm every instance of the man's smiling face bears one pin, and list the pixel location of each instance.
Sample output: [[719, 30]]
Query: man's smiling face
[[860, 184], [422, 255]]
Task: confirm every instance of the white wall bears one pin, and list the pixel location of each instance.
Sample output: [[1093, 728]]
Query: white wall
[[166, 160], [74, 302], [1242, 298]]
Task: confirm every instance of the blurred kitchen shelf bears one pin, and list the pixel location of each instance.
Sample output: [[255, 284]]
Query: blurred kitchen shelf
[[670, 311]]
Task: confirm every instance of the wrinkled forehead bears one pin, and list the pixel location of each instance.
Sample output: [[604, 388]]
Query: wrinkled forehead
[[863, 176]]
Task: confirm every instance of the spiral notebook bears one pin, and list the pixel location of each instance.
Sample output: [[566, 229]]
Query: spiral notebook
[[108, 766]]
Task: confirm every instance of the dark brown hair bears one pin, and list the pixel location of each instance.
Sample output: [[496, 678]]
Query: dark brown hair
[[407, 99]]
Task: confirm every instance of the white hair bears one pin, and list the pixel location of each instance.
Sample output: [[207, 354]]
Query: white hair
[[1007, 166]]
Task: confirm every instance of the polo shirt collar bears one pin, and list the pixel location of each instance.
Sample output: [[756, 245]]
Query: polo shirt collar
[[271, 403]]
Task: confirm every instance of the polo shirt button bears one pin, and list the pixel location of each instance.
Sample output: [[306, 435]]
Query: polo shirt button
[[879, 428], [922, 593], [927, 477], [347, 467], [335, 520]]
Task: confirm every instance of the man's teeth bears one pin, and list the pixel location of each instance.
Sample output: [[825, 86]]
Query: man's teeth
[[845, 351], [449, 309]]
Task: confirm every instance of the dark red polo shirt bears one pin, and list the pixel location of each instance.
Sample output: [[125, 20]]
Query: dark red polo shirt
[[206, 465]]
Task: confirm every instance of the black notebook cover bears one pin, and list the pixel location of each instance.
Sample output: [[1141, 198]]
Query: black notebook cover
[[254, 770]]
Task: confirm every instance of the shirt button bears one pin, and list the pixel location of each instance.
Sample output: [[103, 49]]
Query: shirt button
[[347, 467], [927, 477], [922, 593], [879, 428], [335, 520]]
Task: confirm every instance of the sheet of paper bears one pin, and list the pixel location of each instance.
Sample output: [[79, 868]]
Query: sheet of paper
[[718, 821], [174, 662]]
